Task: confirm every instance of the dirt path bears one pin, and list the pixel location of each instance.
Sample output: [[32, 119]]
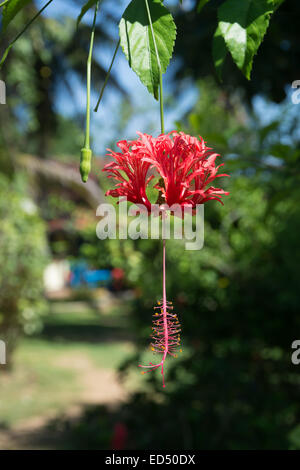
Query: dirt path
[[98, 386]]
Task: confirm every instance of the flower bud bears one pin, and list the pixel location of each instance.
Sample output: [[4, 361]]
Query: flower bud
[[85, 163]]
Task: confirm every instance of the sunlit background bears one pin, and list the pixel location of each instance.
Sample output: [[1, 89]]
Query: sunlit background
[[75, 311]]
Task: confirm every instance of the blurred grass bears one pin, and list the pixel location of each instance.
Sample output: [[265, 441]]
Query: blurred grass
[[36, 385], [41, 381], [47, 378]]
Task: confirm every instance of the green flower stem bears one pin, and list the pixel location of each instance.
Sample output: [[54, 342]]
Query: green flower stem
[[4, 3], [161, 98], [107, 77], [161, 102], [22, 32], [86, 152], [162, 125], [88, 81]]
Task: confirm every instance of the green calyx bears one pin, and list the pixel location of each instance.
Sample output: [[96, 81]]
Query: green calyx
[[85, 163]]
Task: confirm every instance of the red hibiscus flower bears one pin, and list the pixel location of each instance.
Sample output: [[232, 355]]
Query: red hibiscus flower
[[186, 166], [187, 169]]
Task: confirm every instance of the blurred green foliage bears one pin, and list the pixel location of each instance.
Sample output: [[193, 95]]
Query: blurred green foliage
[[23, 255]]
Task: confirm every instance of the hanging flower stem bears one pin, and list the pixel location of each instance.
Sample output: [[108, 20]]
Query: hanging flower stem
[[23, 30], [165, 311], [4, 3], [161, 98], [86, 152], [165, 324], [107, 77]]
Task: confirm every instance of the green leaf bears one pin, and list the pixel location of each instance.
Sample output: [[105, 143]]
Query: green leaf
[[243, 25], [219, 51], [137, 41], [201, 4], [88, 5], [10, 10]]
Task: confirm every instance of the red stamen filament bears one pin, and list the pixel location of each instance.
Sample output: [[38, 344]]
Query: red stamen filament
[[166, 328]]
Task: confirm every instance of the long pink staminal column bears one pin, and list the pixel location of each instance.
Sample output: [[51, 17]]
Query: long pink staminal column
[[166, 334], [166, 328]]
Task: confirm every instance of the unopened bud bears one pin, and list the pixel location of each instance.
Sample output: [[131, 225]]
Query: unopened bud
[[85, 163]]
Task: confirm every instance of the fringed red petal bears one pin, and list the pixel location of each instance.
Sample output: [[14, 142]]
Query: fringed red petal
[[186, 165]]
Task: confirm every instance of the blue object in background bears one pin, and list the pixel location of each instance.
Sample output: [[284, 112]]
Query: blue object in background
[[82, 275], [77, 271], [97, 277]]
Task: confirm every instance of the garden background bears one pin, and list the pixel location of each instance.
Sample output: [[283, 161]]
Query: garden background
[[76, 311]]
